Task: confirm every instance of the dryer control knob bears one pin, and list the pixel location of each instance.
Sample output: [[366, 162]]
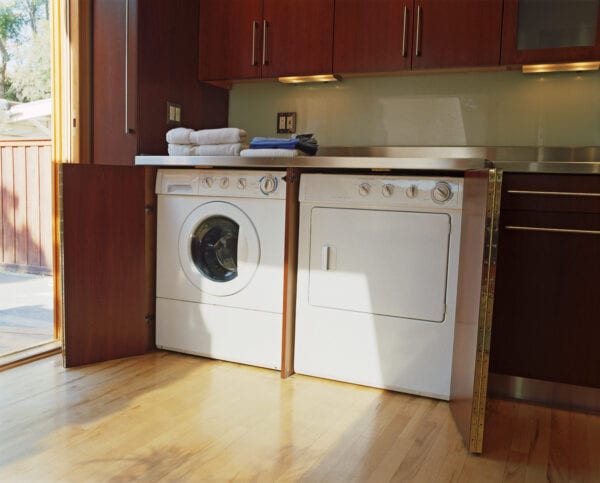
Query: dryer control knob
[[242, 183], [208, 181], [441, 192], [224, 183], [387, 190], [412, 191], [268, 184], [364, 189]]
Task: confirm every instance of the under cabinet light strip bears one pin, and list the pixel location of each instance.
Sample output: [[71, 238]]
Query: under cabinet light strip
[[567, 67]]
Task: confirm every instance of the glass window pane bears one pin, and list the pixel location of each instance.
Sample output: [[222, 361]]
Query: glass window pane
[[551, 24], [214, 248]]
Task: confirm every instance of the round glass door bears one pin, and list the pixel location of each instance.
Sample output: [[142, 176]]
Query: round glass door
[[219, 248], [214, 248]]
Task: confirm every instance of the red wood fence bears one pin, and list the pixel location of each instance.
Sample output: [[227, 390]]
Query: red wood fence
[[26, 205]]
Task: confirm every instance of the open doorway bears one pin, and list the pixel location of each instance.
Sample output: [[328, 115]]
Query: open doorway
[[26, 255]]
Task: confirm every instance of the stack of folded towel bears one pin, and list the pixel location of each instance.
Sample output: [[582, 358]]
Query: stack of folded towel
[[227, 141], [297, 145]]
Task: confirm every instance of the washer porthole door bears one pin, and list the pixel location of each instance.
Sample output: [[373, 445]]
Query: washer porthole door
[[219, 249]]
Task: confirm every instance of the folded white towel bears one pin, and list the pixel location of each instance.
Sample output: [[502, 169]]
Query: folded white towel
[[271, 153], [218, 149], [180, 149], [226, 135], [179, 135]]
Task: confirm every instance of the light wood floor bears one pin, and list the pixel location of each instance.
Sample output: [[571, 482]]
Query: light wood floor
[[181, 418]]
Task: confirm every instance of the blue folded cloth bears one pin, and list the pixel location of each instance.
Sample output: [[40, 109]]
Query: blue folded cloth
[[277, 143]]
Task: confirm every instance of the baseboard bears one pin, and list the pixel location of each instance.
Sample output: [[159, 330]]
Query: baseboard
[[567, 396]]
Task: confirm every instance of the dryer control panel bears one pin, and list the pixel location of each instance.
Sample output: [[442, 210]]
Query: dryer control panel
[[221, 183], [394, 191]]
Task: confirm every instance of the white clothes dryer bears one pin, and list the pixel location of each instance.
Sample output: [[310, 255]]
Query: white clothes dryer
[[377, 280], [220, 251]]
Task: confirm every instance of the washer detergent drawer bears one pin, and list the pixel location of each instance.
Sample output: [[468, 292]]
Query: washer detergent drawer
[[381, 262]]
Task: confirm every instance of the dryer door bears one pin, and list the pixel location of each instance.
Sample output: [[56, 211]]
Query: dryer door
[[219, 249]]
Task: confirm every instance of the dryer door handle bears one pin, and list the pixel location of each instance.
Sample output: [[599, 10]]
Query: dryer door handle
[[327, 258]]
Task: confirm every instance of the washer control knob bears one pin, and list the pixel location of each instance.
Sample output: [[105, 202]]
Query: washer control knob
[[412, 191], [224, 183], [364, 189], [387, 190], [207, 181], [242, 183], [268, 184], [441, 192]]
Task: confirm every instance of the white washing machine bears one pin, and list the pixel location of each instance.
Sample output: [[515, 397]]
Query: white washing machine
[[220, 249], [377, 277]]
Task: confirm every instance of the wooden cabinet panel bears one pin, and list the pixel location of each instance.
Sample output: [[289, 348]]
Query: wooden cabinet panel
[[104, 274], [546, 300], [113, 36], [558, 32], [242, 39], [372, 35], [299, 37], [456, 33], [230, 37]]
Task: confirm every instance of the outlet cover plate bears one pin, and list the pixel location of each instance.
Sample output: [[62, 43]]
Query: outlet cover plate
[[286, 122]]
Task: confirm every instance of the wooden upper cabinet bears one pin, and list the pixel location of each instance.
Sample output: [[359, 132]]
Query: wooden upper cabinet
[[298, 39], [389, 35], [230, 38], [244, 39], [114, 91], [550, 31], [456, 33], [372, 36]]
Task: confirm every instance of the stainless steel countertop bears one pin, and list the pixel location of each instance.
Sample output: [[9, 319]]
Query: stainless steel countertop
[[583, 160]]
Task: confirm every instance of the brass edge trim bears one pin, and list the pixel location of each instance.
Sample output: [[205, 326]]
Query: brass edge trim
[[551, 193], [552, 230], [485, 311]]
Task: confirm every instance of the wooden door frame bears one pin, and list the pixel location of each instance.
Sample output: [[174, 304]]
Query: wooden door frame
[[71, 115]]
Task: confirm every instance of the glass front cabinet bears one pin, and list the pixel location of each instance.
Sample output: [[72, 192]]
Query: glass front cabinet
[[537, 31]]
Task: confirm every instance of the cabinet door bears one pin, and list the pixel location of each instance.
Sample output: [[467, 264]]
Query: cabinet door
[[230, 39], [114, 81], [298, 37], [105, 290], [372, 35], [546, 303], [456, 33], [550, 31]]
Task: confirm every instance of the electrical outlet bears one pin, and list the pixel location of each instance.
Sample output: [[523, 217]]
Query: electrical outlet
[[173, 113], [286, 122]]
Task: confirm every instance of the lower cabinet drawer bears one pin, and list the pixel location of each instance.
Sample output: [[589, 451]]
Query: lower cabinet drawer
[[546, 321]]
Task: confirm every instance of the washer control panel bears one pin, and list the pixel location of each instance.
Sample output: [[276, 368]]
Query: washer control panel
[[221, 183], [406, 191]]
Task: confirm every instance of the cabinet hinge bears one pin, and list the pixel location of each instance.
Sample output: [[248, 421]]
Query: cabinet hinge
[[149, 318], [149, 209]]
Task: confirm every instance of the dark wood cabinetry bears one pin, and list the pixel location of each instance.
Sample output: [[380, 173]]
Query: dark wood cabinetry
[[546, 300], [242, 39], [387, 35], [144, 54], [550, 31]]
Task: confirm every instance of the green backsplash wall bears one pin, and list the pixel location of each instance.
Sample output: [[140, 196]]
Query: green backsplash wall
[[466, 109]]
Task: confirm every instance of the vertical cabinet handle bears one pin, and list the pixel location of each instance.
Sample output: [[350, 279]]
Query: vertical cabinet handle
[[418, 34], [126, 66], [404, 52], [254, 29], [265, 61]]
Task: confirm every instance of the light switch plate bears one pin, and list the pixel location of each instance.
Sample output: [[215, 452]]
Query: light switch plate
[[286, 122], [173, 114]]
